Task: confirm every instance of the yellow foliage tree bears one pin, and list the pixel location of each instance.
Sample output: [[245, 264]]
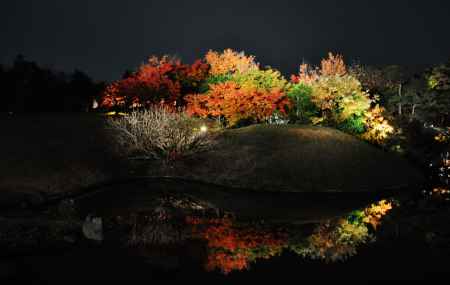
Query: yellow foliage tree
[[378, 128]]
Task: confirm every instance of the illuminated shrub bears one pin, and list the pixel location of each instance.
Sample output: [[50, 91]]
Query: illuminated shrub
[[160, 81], [442, 137], [158, 133], [377, 127], [353, 125]]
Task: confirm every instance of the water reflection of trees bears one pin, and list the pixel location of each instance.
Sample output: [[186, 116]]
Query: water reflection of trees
[[234, 246]]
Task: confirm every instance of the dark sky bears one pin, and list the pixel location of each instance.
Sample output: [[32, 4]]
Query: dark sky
[[103, 38]]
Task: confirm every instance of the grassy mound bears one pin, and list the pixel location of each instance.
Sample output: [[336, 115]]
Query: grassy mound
[[56, 153], [301, 159]]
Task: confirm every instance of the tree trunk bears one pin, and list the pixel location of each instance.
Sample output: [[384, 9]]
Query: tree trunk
[[400, 100], [412, 112]]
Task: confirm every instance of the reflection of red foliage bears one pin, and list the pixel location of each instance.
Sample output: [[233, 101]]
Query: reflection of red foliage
[[234, 103], [162, 80], [233, 248], [226, 262]]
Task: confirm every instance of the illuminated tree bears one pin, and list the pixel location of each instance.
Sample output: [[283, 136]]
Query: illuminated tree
[[306, 75], [371, 78], [377, 128], [339, 99], [160, 81], [236, 104], [229, 62], [238, 90], [303, 107], [438, 81], [332, 66]]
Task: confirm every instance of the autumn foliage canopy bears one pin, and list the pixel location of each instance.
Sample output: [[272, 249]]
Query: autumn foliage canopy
[[239, 90], [232, 87]]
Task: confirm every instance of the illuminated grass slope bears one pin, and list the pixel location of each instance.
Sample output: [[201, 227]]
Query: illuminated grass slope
[[301, 158]]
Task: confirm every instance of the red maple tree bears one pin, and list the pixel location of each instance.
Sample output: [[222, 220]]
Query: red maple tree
[[160, 81]]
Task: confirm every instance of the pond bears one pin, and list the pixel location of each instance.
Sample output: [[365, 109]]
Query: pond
[[166, 236]]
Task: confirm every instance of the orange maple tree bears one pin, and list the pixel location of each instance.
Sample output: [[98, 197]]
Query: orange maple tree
[[234, 103], [229, 61], [333, 65]]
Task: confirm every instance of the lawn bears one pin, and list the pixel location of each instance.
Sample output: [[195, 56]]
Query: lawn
[[299, 159], [54, 153]]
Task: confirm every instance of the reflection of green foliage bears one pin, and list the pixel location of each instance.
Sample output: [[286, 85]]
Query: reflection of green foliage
[[335, 241], [356, 217], [304, 108]]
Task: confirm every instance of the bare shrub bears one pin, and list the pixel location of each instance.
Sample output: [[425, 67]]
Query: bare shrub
[[159, 133]]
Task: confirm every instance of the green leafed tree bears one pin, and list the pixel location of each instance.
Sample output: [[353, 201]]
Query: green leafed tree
[[303, 107], [340, 99]]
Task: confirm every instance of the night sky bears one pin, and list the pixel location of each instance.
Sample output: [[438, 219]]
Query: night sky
[[103, 38]]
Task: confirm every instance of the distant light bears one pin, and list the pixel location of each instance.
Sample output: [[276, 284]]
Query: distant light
[[203, 129], [114, 113]]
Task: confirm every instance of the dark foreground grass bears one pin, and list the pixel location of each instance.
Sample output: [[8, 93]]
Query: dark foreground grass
[[54, 153], [300, 158]]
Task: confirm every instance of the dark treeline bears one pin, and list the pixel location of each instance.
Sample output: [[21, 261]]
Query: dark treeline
[[28, 87]]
